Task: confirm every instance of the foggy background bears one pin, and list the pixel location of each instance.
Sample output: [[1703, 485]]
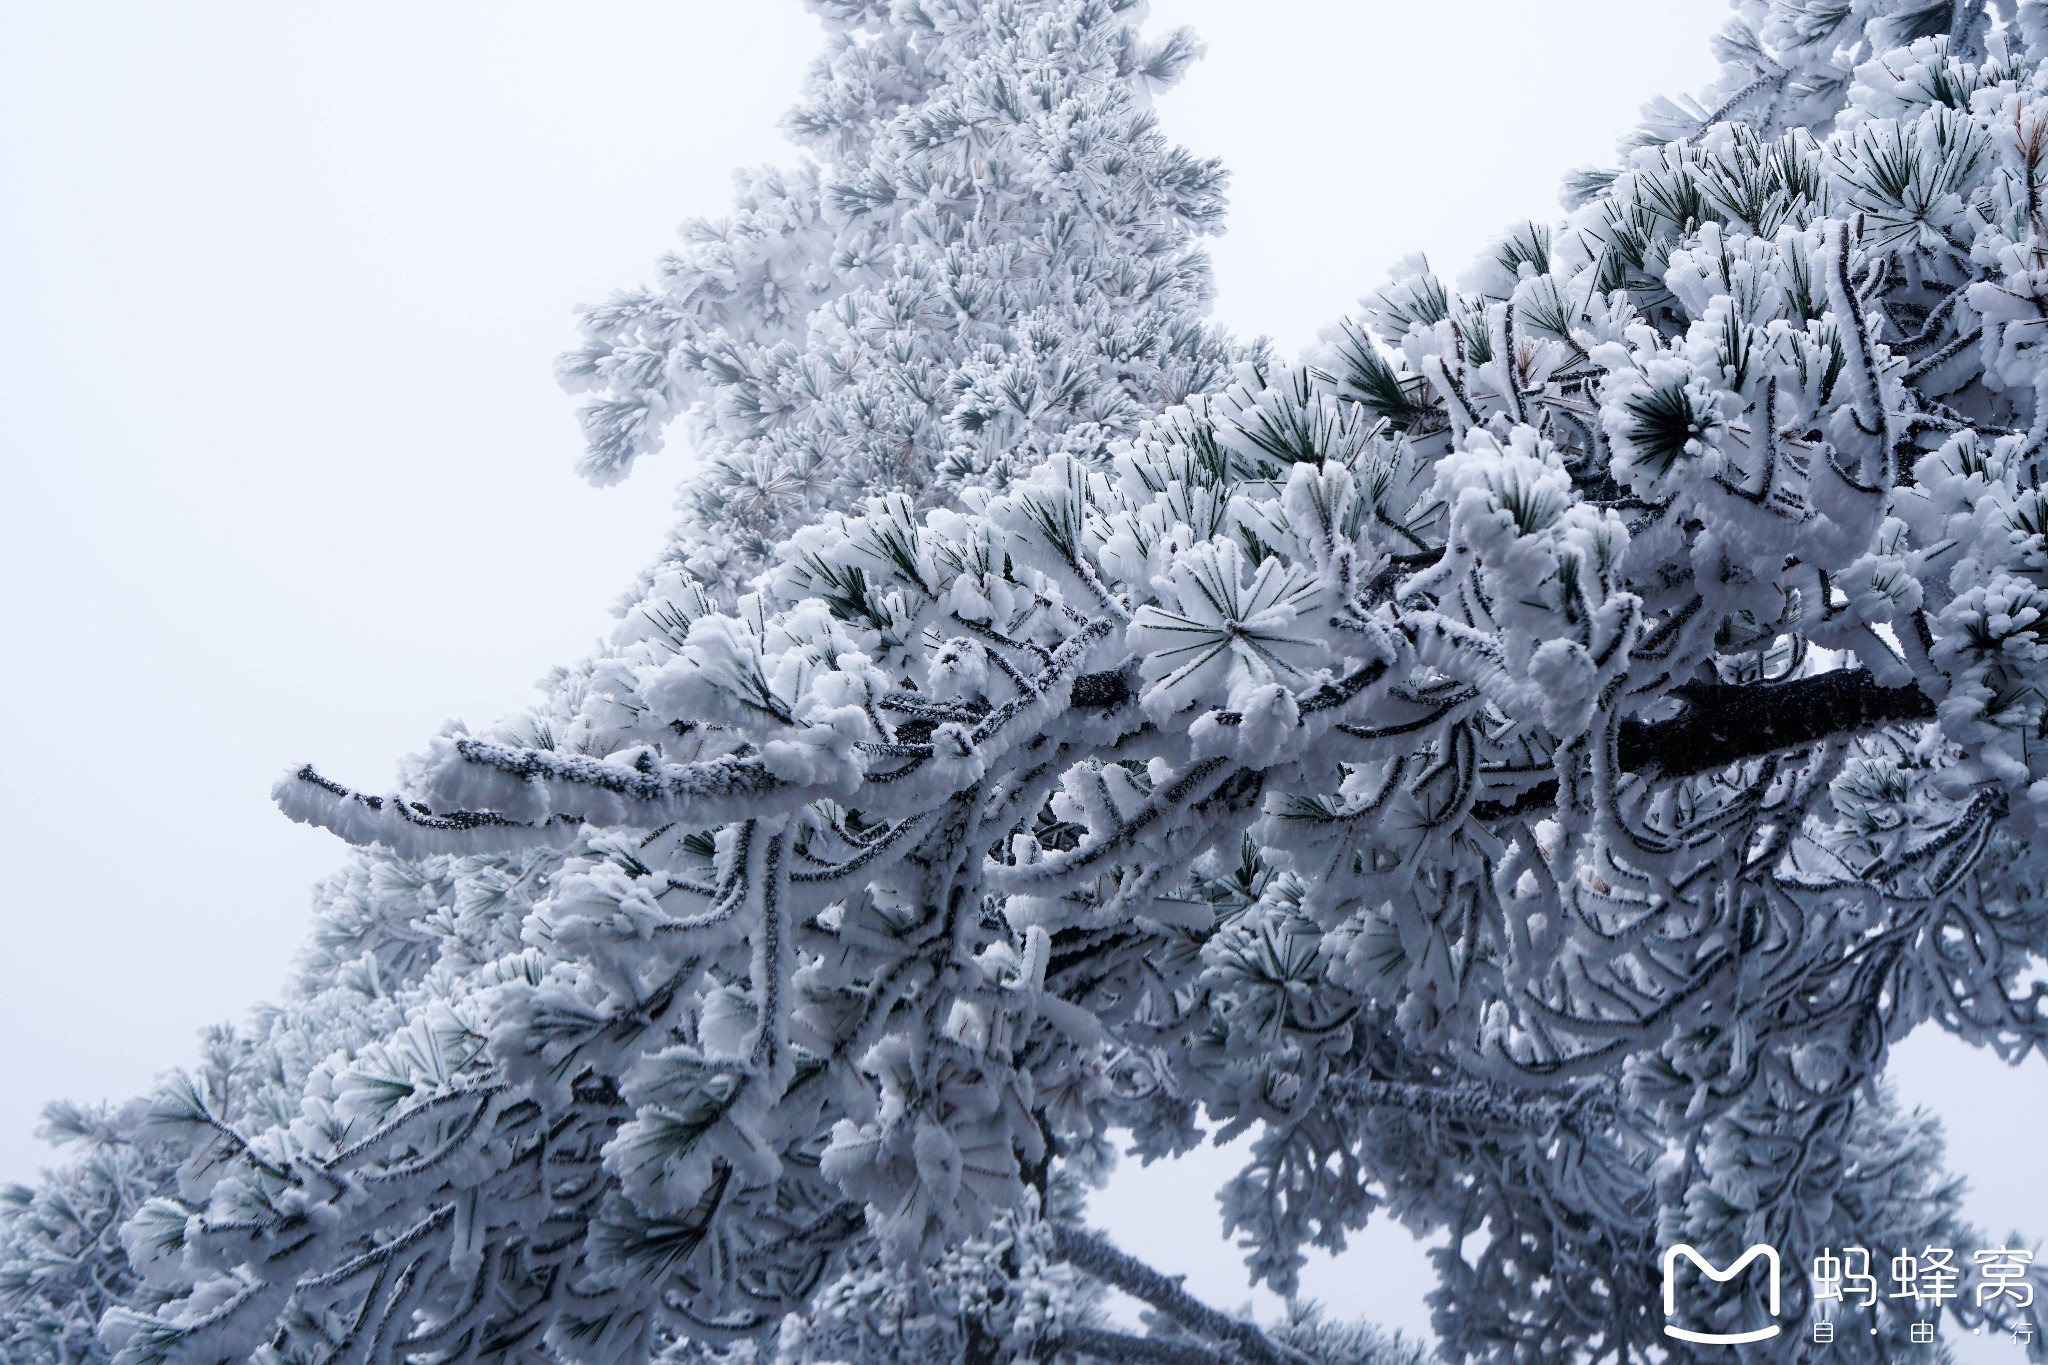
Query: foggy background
[[286, 476]]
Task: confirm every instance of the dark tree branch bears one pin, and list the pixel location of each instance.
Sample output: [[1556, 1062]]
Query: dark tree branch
[[1104, 691], [1725, 723], [1722, 723]]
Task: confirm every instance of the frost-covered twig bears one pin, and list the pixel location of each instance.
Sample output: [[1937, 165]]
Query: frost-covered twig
[[1165, 1293]]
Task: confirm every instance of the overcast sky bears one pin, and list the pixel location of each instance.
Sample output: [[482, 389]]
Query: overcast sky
[[288, 478]]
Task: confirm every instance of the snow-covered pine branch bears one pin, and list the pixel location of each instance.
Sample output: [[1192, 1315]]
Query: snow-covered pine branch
[[1525, 765]]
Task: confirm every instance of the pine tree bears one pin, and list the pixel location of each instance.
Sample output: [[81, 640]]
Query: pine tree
[[994, 259], [61, 1261], [1074, 264], [1525, 765]]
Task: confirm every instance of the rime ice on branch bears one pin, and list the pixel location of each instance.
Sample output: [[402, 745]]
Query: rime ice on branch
[[1526, 764], [994, 259]]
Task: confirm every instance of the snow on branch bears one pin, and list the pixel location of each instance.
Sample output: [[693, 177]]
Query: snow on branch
[[1523, 765]]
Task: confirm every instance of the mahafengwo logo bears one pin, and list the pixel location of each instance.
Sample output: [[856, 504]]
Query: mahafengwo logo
[[1768, 1254]]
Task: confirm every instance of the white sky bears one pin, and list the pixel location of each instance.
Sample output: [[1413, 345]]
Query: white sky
[[287, 476]]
